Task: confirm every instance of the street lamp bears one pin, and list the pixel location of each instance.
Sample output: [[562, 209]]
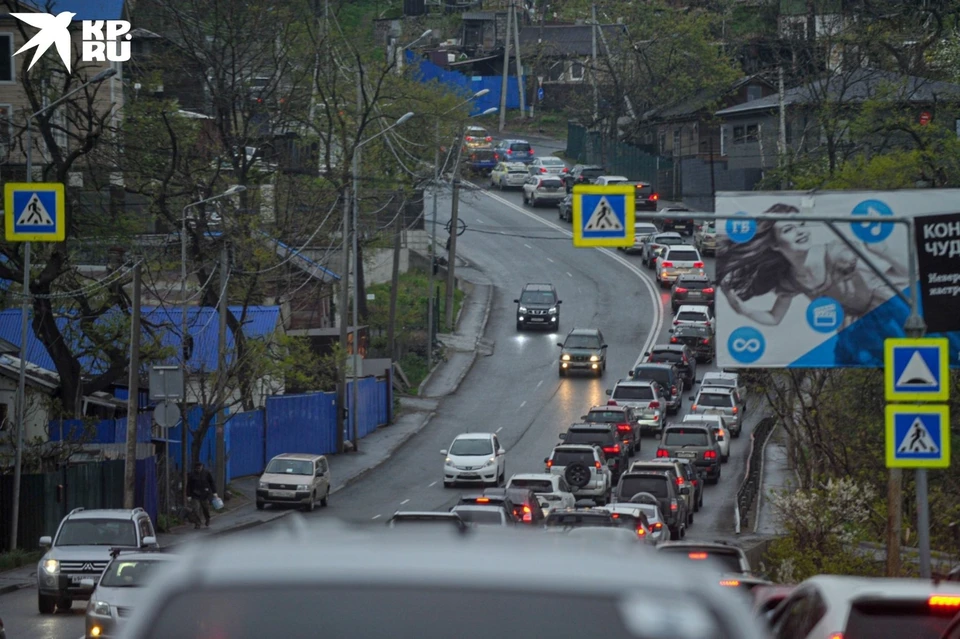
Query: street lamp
[[21, 400], [233, 190], [356, 269], [402, 50], [433, 224]]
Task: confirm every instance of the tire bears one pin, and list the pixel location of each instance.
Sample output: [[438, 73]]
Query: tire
[[689, 519], [312, 504], [46, 604], [500, 184], [577, 475], [600, 372], [562, 372], [736, 434], [683, 532], [519, 327], [675, 534], [64, 604], [260, 505], [448, 484], [502, 479], [533, 202], [326, 499]]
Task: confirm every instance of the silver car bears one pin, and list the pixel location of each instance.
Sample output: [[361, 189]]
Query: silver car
[[642, 231], [705, 238], [716, 423], [646, 399], [716, 400], [548, 165], [694, 314], [540, 189], [676, 261], [121, 587], [647, 255], [724, 378]]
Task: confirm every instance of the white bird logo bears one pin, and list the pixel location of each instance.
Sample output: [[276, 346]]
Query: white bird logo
[[53, 30]]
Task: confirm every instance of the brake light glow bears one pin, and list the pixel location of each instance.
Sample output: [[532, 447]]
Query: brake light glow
[[661, 452], [612, 402], [735, 409], [469, 138], [612, 450], [657, 526], [721, 433], [674, 340], [641, 532], [527, 516], [673, 504], [531, 151], [543, 170], [483, 500], [729, 583], [598, 465], [549, 463], [673, 390], [680, 289], [496, 156], [679, 481], [615, 516], [624, 428], [667, 265], [694, 407], [944, 601], [488, 138], [566, 170], [509, 151], [654, 404], [710, 454], [698, 265], [706, 341], [697, 555], [836, 635], [654, 197], [708, 291]]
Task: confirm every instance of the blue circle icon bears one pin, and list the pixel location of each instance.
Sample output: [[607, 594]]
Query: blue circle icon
[[746, 344], [741, 231], [872, 232], [825, 315]]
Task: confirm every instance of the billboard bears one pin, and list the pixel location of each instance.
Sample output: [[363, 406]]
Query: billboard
[[792, 294], [938, 255]]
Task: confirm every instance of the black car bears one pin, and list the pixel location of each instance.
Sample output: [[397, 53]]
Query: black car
[[662, 486], [607, 438], [583, 350], [699, 339], [678, 355], [582, 174], [523, 504], [646, 198], [669, 378], [538, 307], [692, 289], [691, 475], [620, 416], [671, 223]]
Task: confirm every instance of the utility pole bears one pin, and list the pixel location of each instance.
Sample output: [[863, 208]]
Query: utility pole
[[395, 283], [516, 45], [593, 56], [783, 127], [506, 72], [452, 257], [344, 318], [133, 398], [432, 250], [221, 444]]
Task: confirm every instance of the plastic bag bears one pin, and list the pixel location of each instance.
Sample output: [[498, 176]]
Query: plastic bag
[[217, 503]]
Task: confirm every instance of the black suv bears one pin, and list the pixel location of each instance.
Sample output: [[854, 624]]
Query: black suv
[[669, 378], [582, 174], [523, 502], [583, 350], [691, 288], [663, 487], [680, 356], [646, 198], [623, 418], [607, 438], [538, 306], [699, 339], [690, 474]]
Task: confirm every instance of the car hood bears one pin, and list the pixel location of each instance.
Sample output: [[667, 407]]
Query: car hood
[[285, 478], [120, 597], [81, 553], [476, 460], [581, 351], [537, 306]]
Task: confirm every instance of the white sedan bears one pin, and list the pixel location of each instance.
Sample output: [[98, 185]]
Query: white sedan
[[548, 165], [475, 458]]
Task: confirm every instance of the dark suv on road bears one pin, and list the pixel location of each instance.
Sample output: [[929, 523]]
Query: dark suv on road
[[607, 438], [582, 174], [584, 350], [623, 417], [538, 306], [694, 442], [691, 288], [680, 356], [662, 486], [669, 378]]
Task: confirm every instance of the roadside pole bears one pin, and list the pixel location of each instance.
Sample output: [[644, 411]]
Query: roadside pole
[[133, 397], [452, 256]]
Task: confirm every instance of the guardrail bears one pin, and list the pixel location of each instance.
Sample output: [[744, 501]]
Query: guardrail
[[752, 476]]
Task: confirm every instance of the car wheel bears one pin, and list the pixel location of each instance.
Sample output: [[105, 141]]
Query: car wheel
[[683, 531], [519, 327], [736, 434], [326, 498], [64, 604], [46, 604], [689, 519], [563, 372], [312, 504], [260, 505], [502, 479], [448, 484], [600, 372], [675, 534], [533, 201]]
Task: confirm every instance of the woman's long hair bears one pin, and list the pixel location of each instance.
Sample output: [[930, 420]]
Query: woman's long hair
[[755, 268]]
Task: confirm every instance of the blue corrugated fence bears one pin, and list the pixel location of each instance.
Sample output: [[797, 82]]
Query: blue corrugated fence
[[246, 444], [428, 71], [301, 424], [106, 431]]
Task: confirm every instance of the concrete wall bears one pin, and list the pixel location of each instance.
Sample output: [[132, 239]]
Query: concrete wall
[[37, 417], [695, 181]]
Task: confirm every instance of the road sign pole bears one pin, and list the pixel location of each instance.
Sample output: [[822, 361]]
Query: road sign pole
[[923, 522], [20, 402]]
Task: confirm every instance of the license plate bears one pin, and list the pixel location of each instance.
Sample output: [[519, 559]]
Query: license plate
[[697, 295], [470, 476], [76, 579], [687, 455], [536, 319], [282, 493]]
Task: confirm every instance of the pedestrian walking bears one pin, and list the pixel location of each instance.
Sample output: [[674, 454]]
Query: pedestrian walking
[[200, 489]]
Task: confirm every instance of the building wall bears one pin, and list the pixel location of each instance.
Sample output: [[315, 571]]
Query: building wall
[[37, 416], [750, 141]]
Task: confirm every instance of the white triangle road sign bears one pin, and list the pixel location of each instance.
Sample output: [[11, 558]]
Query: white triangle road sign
[[35, 213], [603, 218], [918, 440], [916, 374]]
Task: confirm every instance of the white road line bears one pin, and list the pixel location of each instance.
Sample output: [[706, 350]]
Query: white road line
[[375, 517], [540, 383], [432, 485], [528, 246], [523, 404], [404, 502], [569, 274], [549, 260], [481, 221], [651, 289], [499, 429]]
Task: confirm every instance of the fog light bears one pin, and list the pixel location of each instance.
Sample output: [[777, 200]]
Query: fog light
[[593, 366], [95, 631], [564, 365]]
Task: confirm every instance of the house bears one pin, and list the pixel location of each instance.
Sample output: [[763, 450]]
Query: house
[[483, 32], [750, 130]]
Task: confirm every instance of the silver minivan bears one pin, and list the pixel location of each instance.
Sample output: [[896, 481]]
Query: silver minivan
[[295, 478], [718, 400]]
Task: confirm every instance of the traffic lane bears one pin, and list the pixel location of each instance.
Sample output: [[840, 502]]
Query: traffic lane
[[21, 619], [507, 391]]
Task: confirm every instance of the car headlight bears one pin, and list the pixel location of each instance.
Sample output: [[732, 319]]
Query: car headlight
[[303, 487], [491, 461], [263, 485], [51, 566], [553, 311], [448, 461], [565, 358], [523, 309], [101, 608], [594, 358]]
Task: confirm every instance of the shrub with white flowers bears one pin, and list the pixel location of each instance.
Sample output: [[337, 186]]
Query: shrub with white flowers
[[835, 512]]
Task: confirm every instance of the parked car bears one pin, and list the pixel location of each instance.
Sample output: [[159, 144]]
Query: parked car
[[692, 288], [295, 479], [582, 174], [477, 137], [508, 175], [539, 189], [515, 151], [549, 165], [705, 237]]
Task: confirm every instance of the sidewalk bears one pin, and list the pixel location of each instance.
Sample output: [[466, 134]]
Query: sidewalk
[[777, 477], [374, 450]]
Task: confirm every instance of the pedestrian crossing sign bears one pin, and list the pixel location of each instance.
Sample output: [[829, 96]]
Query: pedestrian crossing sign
[[603, 215], [918, 436], [916, 370], [34, 212]]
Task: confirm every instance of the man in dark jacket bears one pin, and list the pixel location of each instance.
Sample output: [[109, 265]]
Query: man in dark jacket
[[200, 489]]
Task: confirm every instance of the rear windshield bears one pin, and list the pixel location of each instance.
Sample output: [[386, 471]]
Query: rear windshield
[[882, 621], [697, 285], [625, 520], [605, 416], [592, 172], [548, 161], [715, 399], [644, 229], [719, 381], [669, 240], [685, 437], [693, 331], [656, 486], [568, 457], [692, 316], [645, 189], [577, 519], [633, 393], [730, 560], [666, 356], [520, 146], [659, 375], [536, 485], [477, 516], [600, 437], [551, 182], [683, 256], [419, 521]]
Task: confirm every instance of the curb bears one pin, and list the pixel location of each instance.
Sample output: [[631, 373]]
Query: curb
[[233, 529], [473, 358], [369, 469], [6, 590]]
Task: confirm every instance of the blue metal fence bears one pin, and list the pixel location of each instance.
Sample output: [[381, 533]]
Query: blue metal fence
[[106, 431], [468, 85], [302, 424], [246, 444], [208, 449]]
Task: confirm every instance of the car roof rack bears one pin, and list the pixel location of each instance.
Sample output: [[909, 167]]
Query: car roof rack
[[76, 510]]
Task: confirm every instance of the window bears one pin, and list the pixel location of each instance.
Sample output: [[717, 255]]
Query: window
[[676, 141], [555, 72], [4, 415], [7, 67], [739, 135], [753, 132], [716, 400], [576, 70], [754, 92], [684, 437], [644, 393]]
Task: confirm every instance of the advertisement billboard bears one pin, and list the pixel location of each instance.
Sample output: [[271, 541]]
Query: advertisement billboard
[[791, 294], [938, 255]]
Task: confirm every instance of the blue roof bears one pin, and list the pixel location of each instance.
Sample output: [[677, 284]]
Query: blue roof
[[162, 322], [85, 9], [305, 263]]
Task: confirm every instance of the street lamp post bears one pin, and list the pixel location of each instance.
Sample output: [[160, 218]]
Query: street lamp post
[[432, 249], [233, 190], [356, 269], [21, 399], [402, 50]]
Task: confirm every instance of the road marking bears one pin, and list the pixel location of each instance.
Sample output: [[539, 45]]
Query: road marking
[[579, 290], [540, 383], [481, 221], [549, 260], [655, 303], [376, 517], [499, 429], [528, 246], [523, 404], [404, 502], [569, 274], [433, 484]]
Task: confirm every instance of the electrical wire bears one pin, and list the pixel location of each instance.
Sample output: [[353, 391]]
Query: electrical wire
[[223, 291], [86, 290]]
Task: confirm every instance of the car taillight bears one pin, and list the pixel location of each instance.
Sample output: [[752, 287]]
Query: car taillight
[[657, 526], [543, 170], [710, 454], [654, 197], [641, 532], [730, 583], [612, 402], [708, 291], [706, 341], [667, 265], [673, 504], [531, 151], [735, 409], [673, 390], [680, 289], [698, 265], [469, 138], [598, 465], [612, 450], [694, 407], [674, 340], [661, 452], [566, 170], [496, 156], [483, 500], [680, 481], [697, 555], [654, 404], [721, 433], [944, 601], [707, 323], [509, 151], [624, 428], [488, 139], [549, 463], [836, 635], [527, 514]]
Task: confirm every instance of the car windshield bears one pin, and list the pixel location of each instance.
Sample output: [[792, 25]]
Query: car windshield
[[683, 256], [289, 467], [630, 486], [885, 621], [729, 559], [568, 457], [97, 532], [605, 416], [685, 437], [128, 574], [599, 437], [470, 446], [536, 485], [666, 356], [723, 400], [537, 297], [521, 147], [669, 239], [582, 341], [548, 161], [692, 316], [633, 392], [480, 515]]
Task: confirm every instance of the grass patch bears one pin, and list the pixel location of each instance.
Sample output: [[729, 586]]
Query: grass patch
[[19, 558], [550, 125]]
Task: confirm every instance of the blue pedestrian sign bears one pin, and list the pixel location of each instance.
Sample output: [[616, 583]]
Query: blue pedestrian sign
[[918, 436], [34, 212], [604, 215], [916, 370], [540, 94]]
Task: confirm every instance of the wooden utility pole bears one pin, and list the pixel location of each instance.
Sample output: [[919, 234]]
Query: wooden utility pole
[[133, 398], [222, 310], [344, 318], [593, 57], [395, 283], [506, 73], [516, 45], [452, 257], [783, 128]]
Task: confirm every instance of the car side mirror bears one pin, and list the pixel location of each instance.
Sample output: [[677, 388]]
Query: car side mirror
[[88, 583], [692, 398], [696, 381], [502, 452], [584, 417], [559, 301], [443, 452], [629, 373], [671, 330], [646, 354], [516, 301], [149, 541], [559, 344], [46, 541], [546, 460], [563, 435], [603, 346], [609, 392]]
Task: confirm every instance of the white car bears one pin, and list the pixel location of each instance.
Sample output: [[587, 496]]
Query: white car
[[694, 314], [637, 512], [731, 380], [551, 490], [716, 423], [584, 468], [509, 175], [676, 261], [610, 180], [642, 231], [543, 189], [483, 515], [475, 458], [549, 165]]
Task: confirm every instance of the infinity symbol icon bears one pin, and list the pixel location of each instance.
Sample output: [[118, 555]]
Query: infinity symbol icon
[[741, 345]]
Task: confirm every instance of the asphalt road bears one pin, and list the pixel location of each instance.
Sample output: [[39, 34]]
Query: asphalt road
[[515, 392]]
